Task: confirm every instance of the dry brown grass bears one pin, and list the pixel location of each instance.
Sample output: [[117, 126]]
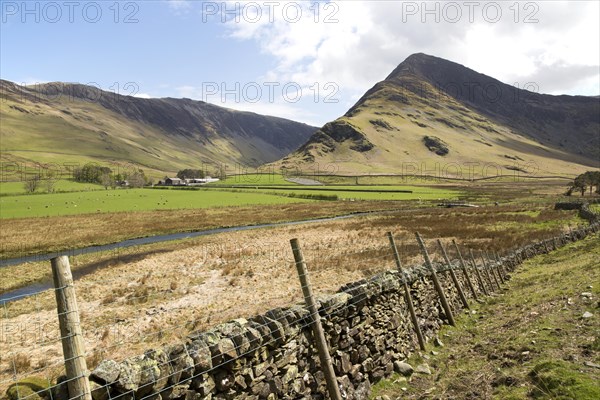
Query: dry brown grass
[[28, 236], [20, 363]]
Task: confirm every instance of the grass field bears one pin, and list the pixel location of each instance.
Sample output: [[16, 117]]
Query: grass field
[[480, 226], [61, 185], [420, 180], [256, 189], [119, 200], [530, 342]]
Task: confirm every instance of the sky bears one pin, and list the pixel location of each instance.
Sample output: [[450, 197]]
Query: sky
[[303, 60]]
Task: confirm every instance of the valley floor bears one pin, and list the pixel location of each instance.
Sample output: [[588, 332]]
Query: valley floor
[[539, 339]]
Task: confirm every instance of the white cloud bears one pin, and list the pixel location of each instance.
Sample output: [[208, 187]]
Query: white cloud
[[372, 37], [356, 44]]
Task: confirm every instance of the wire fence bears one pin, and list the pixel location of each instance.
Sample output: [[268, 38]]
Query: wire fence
[[38, 358]]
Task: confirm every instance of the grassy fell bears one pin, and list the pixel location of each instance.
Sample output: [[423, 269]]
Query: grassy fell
[[529, 342]]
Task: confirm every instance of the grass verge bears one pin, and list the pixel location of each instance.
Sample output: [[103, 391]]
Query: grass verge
[[532, 341]]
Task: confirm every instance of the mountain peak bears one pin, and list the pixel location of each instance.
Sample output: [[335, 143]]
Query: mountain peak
[[426, 66], [479, 119]]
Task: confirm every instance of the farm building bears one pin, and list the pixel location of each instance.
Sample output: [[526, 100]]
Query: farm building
[[174, 182], [186, 182]]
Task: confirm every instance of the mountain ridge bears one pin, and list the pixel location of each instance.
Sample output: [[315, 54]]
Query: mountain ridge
[[480, 118], [135, 128]]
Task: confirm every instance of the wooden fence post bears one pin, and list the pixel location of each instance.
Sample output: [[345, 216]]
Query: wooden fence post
[[490, 268], [501, 268], [495, 268], [70, 330], [465, 272], [461, 294], [411, 308], [319, 334], [436, 282], [483, 288], [486, 269]]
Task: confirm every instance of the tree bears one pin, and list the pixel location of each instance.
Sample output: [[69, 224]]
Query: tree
[[106, 180], [50, 183], [585, 180], [222, 172], [580, 184], [137, 179], [31, 185], [90, 173], [190, 174], [592, 178]]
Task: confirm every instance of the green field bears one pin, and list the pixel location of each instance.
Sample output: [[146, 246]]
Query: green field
[[56, 204], [61, 185], [252, 189]]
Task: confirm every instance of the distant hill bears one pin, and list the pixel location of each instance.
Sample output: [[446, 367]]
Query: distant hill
[[62, 122], [430, 114]]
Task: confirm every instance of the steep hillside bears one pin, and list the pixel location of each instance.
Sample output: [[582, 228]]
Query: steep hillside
[[437, 117], [62, 122]]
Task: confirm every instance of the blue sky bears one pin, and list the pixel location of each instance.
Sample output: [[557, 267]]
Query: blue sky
[[332, 52]]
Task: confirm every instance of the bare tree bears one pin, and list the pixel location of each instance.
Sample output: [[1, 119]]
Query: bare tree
[[31, 185], [50, 180], [49, 184], [137, 179], [106, 180]]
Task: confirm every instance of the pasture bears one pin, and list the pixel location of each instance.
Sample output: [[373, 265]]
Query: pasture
[[73, 198], [60, 185], [120, 200]]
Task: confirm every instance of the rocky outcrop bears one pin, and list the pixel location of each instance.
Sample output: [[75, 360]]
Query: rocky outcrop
[[326, 139], [436, 145]]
